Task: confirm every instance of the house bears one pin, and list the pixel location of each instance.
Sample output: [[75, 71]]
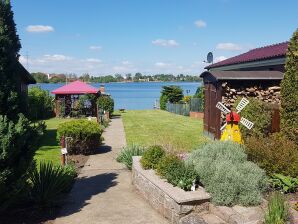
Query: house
[[256, 73], [25, 78]]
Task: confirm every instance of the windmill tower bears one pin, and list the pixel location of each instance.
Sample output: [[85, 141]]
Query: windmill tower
[[230, 130]]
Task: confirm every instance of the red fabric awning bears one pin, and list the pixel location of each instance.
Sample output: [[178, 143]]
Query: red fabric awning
[[76, 87]]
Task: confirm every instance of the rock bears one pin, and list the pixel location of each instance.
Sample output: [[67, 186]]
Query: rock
[[274, 88], [192, 219], [233, 90], [251, 90]]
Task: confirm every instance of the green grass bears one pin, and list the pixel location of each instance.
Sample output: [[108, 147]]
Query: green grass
[[148, 127], [49, 150]]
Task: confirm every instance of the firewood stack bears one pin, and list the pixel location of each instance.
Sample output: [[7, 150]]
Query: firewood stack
[[268, 94]]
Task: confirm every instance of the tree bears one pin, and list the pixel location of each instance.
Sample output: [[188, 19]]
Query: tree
[[10, 100], [40, 77], [289, 91], [173, 94]]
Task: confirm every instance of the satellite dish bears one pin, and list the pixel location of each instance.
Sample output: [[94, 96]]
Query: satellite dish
[[210, 57]]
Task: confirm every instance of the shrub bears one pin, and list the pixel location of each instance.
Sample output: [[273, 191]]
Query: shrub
[[49, 182], [275, 154], [18, 143], [283, 183], [126, 154], [200, 95], [40, 104], [289, 91], [86, 136], [224, 171], [163, 102], [152, 156], [262, 122], [106, 103], [277, 210], [176, 172]]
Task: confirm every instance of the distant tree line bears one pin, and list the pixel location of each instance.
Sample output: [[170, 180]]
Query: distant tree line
[[137, 77]]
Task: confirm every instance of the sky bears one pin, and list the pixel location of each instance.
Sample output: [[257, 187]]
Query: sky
[[105, 37]]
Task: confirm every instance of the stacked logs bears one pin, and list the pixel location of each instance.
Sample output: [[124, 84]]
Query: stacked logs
[[266, 94]]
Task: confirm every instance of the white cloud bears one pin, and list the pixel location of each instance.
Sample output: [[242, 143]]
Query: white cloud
[[95, 48], [39, 29], [200, 23], [165, 43], [56, 57], [220, 58], [161, 64], [125, 63], [228, 47], [93, 60]]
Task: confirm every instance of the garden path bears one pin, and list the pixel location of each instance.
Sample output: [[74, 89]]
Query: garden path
[[103, 192]]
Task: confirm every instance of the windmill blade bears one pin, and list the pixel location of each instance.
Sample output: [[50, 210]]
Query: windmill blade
[[222, 108], [248, 124], [243, 102], [223, 127]]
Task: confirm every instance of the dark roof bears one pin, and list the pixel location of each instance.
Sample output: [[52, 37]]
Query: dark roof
[[244, 75], [258, 54], [25, 74]]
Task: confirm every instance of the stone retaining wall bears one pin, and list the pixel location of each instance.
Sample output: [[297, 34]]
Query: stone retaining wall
[[172, 202]]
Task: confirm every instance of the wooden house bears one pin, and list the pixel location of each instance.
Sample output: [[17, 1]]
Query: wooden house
[[256, 73]]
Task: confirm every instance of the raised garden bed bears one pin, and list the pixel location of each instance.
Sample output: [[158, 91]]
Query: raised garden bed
[[180, 206]]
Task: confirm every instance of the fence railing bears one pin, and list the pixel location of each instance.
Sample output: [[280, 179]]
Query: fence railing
[[195, 105]]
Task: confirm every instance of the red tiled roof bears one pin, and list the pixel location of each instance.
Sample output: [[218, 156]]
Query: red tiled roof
[[76, 87], [262, 53]]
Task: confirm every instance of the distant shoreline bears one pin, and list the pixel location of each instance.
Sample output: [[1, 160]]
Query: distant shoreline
[[120, 82]]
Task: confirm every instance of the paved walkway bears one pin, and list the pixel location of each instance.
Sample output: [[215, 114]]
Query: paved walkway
[[103, 192]]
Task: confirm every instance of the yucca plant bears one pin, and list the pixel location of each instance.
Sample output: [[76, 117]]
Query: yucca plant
[[277, 209], [126, 154], [49, 182]]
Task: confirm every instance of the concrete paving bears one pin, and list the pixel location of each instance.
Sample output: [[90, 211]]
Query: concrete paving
[[103, 192]]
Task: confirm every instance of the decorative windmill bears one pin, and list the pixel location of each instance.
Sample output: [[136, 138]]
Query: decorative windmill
[[231, 129]]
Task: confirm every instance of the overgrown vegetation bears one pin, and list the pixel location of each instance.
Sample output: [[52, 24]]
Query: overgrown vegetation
[[200, 94], [106, 103], [152, 156], [224, 171], [40, 104], [86, 136], [126, 154], [275, 153], [277, 209], [259, 113], [283, 183], [48, 182], [289, 91], [172, 94]]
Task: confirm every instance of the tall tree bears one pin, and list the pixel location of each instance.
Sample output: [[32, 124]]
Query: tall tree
[[10, 103], [289, 91]]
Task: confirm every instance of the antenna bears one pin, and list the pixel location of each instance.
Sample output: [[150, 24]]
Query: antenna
[[210, 57]]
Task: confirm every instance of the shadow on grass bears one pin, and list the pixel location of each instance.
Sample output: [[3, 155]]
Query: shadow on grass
[[84, 189], [49, 138]]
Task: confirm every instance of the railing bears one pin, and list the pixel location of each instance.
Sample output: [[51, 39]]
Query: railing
[[195, 105]]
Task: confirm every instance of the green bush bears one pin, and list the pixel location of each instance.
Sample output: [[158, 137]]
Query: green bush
[[40, 104], [126, 154], [86, 136], [163, 102], [106, 103], [49, 182], [224, 171], [283, 183], [18, 142], [277, 210], [176, 172], [275, 153], [152, 156], [260, 114]]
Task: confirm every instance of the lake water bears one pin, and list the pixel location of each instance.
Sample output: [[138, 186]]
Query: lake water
[[135, 95]]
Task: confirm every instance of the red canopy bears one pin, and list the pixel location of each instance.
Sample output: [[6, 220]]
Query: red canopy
[[76, 87]]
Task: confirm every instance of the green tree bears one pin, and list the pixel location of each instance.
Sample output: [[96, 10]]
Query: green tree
[[173, 94], [289, 91], [10, 102], [40, 103]]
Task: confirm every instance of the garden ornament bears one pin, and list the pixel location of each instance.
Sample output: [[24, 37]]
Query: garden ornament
[[231, 129]]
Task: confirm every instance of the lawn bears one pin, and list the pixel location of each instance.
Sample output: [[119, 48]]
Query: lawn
[[49, 149], [147, 127]]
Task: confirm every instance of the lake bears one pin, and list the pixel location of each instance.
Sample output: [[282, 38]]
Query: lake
[[134, 95]]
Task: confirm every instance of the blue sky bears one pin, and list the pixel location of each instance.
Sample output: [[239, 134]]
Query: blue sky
[[103, 37]]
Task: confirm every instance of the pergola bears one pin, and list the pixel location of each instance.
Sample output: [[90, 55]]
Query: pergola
[[67, 98]]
